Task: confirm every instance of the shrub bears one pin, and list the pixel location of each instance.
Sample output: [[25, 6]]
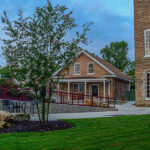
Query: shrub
[[3, 82], [18, 94], [6, 117]]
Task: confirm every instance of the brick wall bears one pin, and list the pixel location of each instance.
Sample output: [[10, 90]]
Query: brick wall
[[98, 73], [142, 64], [84, 60]]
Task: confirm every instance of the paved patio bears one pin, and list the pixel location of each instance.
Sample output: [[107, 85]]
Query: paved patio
[[128, 108]]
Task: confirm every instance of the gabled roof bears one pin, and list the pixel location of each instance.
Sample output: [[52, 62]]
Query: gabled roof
[[114, 72]]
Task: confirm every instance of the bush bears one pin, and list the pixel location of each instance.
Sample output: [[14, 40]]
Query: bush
[[18, 94], [6, 116], [6, 119], [2, 82], [7, 83]]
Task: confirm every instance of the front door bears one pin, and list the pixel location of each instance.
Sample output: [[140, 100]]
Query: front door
[[94, 90]]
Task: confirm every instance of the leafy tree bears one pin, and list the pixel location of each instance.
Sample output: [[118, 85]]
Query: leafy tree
[[5, 72], [37, 45], [131, 73], [116, 54]]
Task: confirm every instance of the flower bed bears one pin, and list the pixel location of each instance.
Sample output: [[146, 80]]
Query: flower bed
[[30, 126]]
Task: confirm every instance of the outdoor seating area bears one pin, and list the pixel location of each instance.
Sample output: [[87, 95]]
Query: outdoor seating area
[[16, 106], [20, 103]]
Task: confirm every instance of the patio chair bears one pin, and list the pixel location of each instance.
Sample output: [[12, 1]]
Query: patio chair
[[7, 105], [18, 107], [32, 106]]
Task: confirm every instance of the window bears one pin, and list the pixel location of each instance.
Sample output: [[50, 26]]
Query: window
[[77, 69], [81, 88], [75, 88], [148, 85], [78, 88], [91, 68], [147, 42]]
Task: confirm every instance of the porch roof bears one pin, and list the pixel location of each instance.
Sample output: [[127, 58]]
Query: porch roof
[[84, 80]]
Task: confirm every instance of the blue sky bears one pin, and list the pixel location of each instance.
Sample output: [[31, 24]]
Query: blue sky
[[113, 19]]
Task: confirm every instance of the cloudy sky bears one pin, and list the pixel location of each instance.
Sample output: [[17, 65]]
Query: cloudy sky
[[113, 19]]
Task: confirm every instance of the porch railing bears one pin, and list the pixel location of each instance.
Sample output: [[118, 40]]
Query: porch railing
[[59, 97], [16, 94], [82, 100]]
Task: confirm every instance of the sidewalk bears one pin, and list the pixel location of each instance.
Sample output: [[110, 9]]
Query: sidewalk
[[123, 110]]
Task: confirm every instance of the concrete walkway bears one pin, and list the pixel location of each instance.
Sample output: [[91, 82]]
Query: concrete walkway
[[128, 108]]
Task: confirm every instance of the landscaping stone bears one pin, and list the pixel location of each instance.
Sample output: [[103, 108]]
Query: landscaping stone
[[21, 117]]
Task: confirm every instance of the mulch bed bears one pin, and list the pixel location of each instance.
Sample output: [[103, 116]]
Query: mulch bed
[[30, 126]]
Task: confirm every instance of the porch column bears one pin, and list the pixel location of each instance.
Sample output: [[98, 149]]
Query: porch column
[[109, 88], [85, 90], [129, 87], [68, 90], [104, 88], [58, 87]]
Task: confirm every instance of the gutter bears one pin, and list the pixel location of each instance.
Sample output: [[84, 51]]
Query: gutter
[[119, 77]]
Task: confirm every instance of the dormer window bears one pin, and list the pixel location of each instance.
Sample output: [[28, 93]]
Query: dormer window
[[77, 69], [147, 42], [90, 68]]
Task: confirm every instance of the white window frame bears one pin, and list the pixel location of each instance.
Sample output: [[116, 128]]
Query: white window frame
[[78, 87], [145, 42], [74, 69], [88, 68], [147, 98]]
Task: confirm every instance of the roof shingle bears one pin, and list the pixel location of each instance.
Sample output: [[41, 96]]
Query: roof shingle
[[112, 68]]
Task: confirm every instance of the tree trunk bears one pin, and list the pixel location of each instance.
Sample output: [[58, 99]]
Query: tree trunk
[[43, 93], [37, 105], [50, 94]]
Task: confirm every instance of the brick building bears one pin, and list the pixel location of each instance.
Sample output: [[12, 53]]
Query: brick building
[[142, 51], [92, 75]]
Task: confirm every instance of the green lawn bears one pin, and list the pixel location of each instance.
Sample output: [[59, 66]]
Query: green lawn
[[117, 133]]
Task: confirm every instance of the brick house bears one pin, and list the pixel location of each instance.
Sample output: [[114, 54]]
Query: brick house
[[142, 51], [91, 75]]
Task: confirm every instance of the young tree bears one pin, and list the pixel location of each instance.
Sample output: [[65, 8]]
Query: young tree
[[36, 47], [4, 72], [116, 54]]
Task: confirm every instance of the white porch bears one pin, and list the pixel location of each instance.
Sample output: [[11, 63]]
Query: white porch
[[102, 86]]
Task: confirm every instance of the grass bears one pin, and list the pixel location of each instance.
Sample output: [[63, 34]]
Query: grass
[[117, 133]]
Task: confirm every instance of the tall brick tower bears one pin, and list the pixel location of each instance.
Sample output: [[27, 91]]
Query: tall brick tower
[[142, 51]]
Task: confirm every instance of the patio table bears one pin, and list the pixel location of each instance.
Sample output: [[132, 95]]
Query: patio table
[[19, 105]]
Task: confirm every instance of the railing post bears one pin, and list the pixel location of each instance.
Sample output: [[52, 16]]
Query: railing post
[[61, 97], [114, 103], [100, 101], [92, 101], [21, 96], [6, 93], [108, 101], [26, 95], [72, 98]]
